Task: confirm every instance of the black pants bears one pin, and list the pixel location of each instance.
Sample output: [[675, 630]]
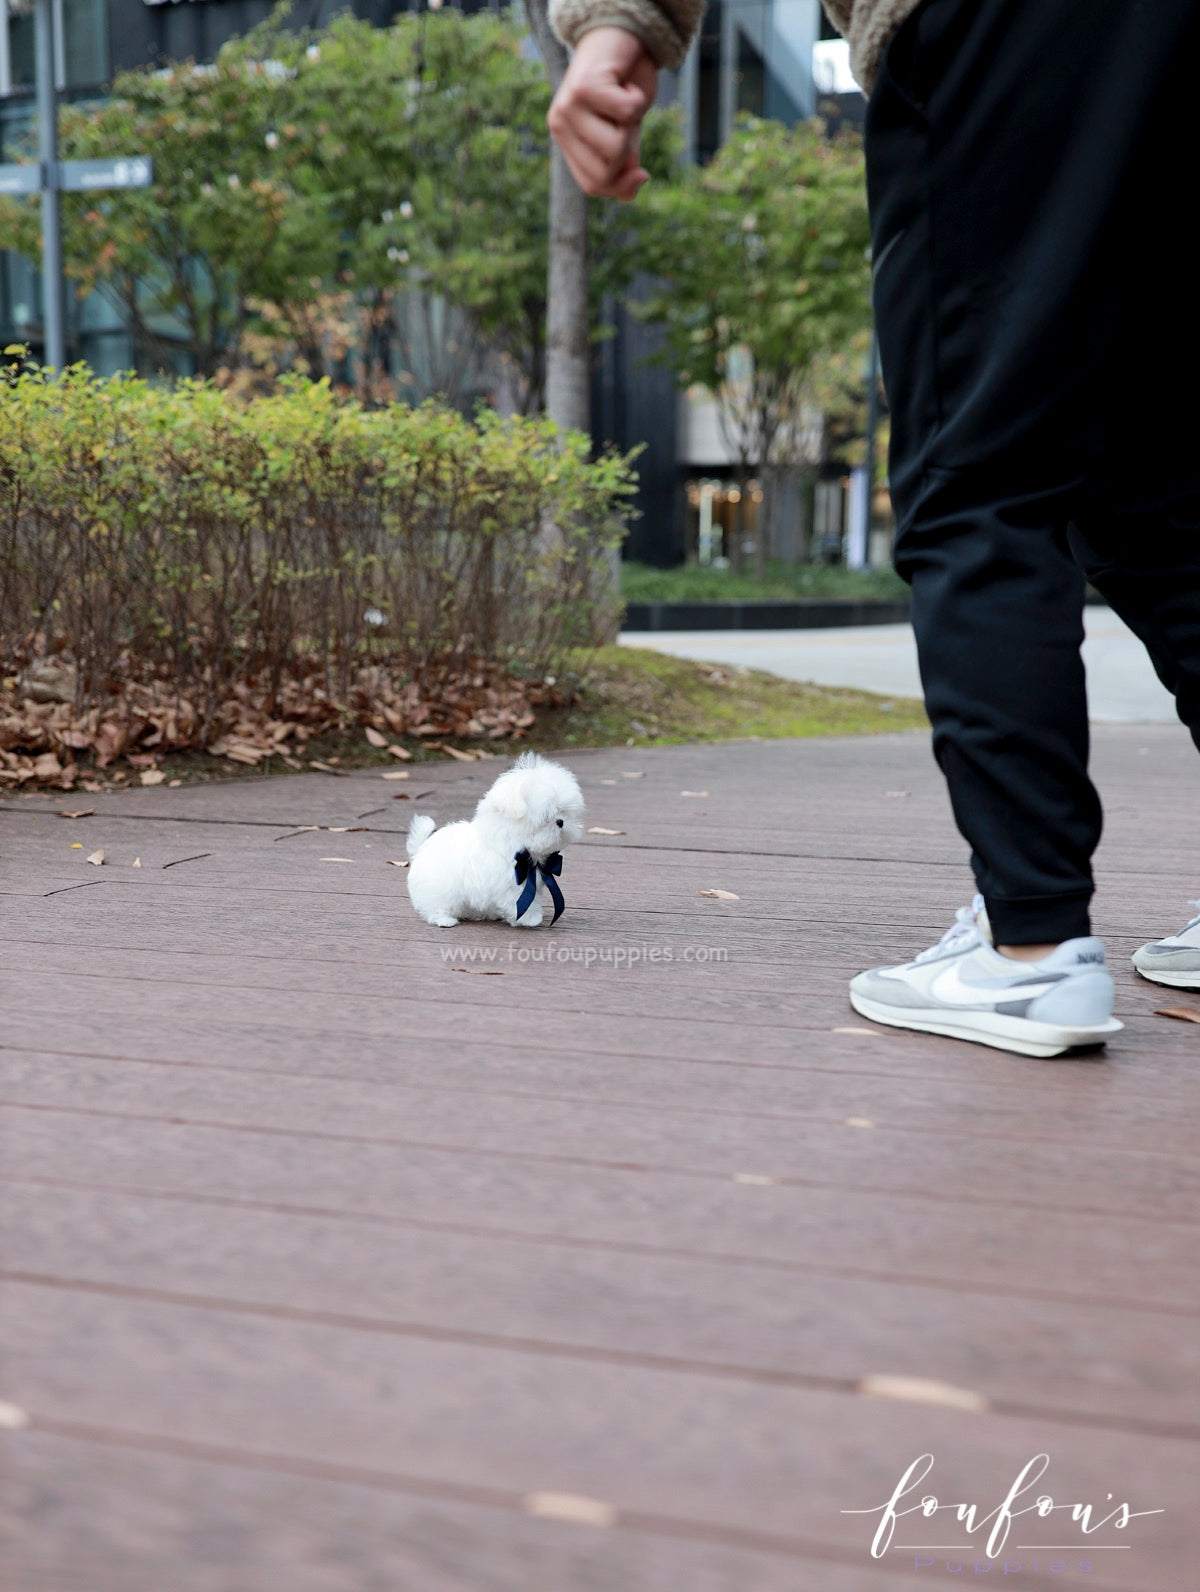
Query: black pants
[[1032, 176]]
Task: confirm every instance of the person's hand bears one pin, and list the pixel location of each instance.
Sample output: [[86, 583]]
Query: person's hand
[[596, 116]]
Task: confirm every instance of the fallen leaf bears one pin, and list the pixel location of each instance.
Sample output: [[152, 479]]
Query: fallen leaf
[[639, 773], [719, 895], [570, 1506], [1185, 1014], [322, 768], [77, 845], [402, 796], [596, 830], [84, 812], [870, 1033], [693, 793], [402, 752], [395, 773], [859, 1122], [154, 776], [174, 784], [136, 863], [922, 1390], [12, 1418], [96, 858], [375, 738], [336, 859], [395, 862]]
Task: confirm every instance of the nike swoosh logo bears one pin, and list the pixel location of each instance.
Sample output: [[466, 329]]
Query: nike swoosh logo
[[951, 989]]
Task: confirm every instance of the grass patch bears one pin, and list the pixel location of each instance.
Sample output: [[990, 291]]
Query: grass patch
[[784, 582], [635, 695]]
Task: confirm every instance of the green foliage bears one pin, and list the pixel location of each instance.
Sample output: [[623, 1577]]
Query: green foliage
[[309, 185], [696, 583], [182, 536], [762, 257]]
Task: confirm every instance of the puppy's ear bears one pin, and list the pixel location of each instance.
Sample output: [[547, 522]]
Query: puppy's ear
[[506, 800]]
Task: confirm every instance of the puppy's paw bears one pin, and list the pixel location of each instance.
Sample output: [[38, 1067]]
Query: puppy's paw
[[443, 921], [531, 918]]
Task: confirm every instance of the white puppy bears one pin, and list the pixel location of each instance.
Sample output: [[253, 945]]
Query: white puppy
[[489, 867]]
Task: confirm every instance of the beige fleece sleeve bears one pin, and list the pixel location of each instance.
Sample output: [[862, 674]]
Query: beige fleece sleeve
[[666, 27]]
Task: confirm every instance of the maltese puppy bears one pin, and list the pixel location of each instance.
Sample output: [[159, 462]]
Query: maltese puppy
[[489, 866]]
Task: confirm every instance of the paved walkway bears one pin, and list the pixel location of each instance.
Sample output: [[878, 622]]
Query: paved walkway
[[1122, 686], [335, 1263]]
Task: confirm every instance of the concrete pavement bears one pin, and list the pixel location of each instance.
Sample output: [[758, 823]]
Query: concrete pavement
[[1122, 685]]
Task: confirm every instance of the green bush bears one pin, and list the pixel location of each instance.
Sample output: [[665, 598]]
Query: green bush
[[213, 547]]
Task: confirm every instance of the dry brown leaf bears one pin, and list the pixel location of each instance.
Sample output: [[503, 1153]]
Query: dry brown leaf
[[870, 1033], [397, 862], [402, 752], [596, 830], [337, 859], [582, 1511], [374, 737], [152, 776], [922, 1390], [321, 768], [693, 793], [859, 1122], [1185, 1014], [459, 757], [174, 784], [82, 812], [96, 858], [719, 895], [396, 773], [136, 863]]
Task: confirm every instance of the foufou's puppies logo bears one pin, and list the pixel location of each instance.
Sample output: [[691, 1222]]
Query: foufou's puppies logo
[[1079, 1525]]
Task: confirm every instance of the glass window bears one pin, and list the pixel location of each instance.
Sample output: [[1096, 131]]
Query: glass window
[[85, 42], [20, 42]]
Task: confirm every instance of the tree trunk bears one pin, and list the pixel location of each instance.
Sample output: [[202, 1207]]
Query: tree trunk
[[568, 329]]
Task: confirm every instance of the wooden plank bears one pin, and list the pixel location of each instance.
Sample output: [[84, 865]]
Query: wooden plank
[[1131, 1370], [141, 1519], [1026, 1175], [734, 1460], [1129, 1260]]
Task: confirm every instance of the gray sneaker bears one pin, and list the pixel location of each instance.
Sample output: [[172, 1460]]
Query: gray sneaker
[[964, 988], [1175, 960]]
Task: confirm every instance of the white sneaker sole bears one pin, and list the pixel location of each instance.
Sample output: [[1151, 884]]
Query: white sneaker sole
[[989, 1028], [1175, 980]]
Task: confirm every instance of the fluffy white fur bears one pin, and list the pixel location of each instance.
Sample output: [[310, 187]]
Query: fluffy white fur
[[467, 869]]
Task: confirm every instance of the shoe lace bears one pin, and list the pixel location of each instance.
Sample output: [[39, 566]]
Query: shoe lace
[[961, 932]]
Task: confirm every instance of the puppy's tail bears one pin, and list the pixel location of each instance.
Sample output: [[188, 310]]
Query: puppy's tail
[[419, 832]]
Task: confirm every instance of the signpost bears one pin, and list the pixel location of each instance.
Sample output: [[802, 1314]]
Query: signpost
[[52, 177]]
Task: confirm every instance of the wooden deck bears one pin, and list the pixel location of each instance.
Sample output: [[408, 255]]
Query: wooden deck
[[333, 1265]]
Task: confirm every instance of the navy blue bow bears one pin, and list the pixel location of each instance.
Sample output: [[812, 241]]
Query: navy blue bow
[[527, 875]]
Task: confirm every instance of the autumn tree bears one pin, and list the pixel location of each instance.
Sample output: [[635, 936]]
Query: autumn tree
[[761, 260]]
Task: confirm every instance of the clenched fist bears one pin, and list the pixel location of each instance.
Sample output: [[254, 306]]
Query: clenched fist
[[596, 116]]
